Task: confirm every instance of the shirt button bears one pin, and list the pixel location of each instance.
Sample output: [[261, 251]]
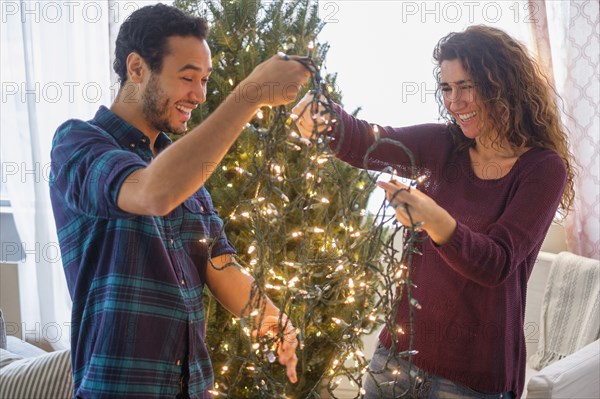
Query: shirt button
[[178, 362], [182, 282], [201, 208], [171, 241], [132, 145], [144, 140]]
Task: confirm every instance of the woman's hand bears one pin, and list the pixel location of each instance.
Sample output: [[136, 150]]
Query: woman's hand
[[286, 346], [425, 212], [308, 113]]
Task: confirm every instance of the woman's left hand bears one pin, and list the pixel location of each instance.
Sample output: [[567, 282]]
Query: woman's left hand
[[426, 214]]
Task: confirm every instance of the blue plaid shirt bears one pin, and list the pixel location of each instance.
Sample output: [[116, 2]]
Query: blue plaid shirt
[[136, 281]]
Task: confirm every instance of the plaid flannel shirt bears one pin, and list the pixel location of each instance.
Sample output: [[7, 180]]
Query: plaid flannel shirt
[[136, 281]]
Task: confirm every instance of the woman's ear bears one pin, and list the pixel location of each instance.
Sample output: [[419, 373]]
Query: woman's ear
[[136, 67]]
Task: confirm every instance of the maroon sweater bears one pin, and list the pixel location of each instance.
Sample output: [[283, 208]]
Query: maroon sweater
[[472, 289]]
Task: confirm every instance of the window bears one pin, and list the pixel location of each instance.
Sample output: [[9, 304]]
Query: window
[[12, 249]]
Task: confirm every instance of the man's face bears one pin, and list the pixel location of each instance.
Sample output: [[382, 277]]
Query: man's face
[[169, 97]]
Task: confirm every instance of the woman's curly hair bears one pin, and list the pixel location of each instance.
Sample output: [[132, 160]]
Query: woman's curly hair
[[520, 103]]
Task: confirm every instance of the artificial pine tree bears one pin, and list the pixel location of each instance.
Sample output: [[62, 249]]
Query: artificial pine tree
[[294, 213]]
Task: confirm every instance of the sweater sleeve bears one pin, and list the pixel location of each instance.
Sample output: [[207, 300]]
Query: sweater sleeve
[[489, 257], [355, 139]]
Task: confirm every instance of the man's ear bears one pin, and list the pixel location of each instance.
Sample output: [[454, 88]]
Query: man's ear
[[136, 67]]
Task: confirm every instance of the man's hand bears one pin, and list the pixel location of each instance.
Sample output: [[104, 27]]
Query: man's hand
[[275, 81], [232, 289], [287, 344]]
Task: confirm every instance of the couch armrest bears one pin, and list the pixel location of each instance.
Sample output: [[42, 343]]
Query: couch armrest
[[576, 376]]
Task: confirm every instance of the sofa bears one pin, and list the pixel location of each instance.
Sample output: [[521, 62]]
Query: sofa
[[576, 375], [28, 372]]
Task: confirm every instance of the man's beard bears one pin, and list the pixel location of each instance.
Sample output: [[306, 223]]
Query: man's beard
[[155, 108]]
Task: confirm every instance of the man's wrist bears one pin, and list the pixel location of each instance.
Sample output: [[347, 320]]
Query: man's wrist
[[249, 94]]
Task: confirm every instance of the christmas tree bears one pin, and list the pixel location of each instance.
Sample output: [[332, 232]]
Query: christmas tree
[[295, 214]]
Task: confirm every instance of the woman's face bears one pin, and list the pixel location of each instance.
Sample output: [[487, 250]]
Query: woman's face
[[460, 97]]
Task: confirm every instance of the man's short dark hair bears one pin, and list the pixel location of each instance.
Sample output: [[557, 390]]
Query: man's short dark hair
[[146, 32]]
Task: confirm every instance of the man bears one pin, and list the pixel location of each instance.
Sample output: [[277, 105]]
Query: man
[[136, 226]]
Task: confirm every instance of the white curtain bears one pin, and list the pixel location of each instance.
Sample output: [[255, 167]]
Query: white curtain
[[55, 66], [582, 95], [574, 40]]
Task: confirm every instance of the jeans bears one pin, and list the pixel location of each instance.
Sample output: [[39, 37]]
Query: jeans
[[411, 382]]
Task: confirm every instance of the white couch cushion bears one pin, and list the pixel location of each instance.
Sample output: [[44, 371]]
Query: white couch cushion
[[22, 348], [535, 295], [576, 376]]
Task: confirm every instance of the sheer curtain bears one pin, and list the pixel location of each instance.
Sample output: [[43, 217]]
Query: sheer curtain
[[56, 65], [573, 40]]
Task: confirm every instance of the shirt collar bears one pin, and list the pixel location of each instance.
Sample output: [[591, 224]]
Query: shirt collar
[[126, 134]]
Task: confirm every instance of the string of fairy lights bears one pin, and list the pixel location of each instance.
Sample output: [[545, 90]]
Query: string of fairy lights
[[350, 259]]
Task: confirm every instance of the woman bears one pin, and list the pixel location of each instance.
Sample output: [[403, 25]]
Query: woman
[[496, 173]]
